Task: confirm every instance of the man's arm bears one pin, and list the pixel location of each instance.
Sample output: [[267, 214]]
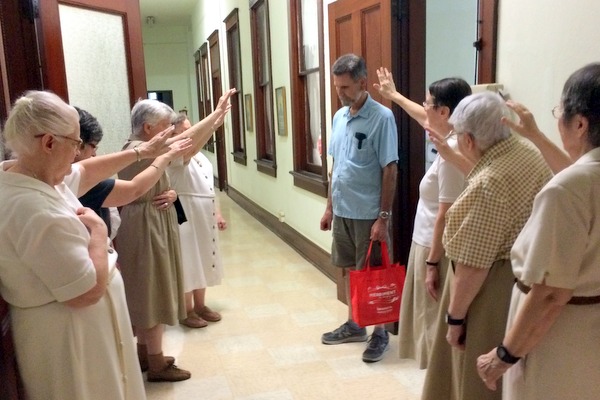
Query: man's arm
[[379, 231], [328, 215]]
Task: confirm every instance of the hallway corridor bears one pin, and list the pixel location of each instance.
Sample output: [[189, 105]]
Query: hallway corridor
[[275, 306]]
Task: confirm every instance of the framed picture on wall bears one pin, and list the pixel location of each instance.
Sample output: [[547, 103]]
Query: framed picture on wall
[[248, 112], [281, 111]]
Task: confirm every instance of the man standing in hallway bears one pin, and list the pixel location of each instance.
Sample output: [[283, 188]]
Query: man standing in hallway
[[364, 147]]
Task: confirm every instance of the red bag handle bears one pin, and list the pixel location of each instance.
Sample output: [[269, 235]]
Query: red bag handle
[[385, 257]]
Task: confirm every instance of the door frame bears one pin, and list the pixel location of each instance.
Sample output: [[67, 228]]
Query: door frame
[[52, 58]]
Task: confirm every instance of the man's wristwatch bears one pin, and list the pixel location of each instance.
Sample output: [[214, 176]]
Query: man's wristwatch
[[503, 354], [454, 321], [385, 214]]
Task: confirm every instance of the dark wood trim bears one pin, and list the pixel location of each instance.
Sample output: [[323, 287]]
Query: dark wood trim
[[238, 124], [263, 124], [303, 177], [307, 249], [487, 39], [311, 182]]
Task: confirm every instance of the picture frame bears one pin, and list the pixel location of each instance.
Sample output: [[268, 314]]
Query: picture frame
[[280, 103], [248, 114]]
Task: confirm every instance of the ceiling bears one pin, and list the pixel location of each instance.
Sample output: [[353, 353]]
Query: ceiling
[[168, 12]]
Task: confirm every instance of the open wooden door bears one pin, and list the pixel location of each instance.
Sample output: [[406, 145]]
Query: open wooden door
[[92, 56], [362, 27], [379, 31], [52, 54]]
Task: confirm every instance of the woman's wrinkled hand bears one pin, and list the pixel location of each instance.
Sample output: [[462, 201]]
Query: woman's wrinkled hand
[[157, 145], [164, 200], [490, 368], [432, 279], [456, 336], [91, 220], [526, 126], [223, 108], [221, 222], [386, 86]]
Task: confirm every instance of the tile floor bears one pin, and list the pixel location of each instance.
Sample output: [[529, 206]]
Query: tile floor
[[275, 306]]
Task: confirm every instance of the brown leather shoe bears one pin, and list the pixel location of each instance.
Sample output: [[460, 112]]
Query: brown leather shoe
[[171, 373], [144, 362], [193, 321], [208, 315]]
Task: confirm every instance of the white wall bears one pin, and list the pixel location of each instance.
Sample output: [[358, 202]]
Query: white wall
[[540, 43], [169, 60], [303, 210]]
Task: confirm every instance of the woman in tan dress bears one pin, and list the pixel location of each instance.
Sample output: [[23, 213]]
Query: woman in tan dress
[[481, 227], [148, 241], [552, 342]]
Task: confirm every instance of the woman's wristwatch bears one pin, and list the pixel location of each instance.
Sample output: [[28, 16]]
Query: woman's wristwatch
[[454, 321], [504, 355]]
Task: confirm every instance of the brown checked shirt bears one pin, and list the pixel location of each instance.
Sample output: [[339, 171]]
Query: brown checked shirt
[[483, 223]]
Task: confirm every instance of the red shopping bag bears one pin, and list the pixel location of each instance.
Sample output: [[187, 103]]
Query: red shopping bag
[[376, 291]]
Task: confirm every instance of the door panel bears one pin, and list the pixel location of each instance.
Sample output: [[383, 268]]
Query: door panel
[[362, 27]]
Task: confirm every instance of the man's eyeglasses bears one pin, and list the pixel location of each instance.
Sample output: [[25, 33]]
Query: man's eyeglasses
[[76, 142]]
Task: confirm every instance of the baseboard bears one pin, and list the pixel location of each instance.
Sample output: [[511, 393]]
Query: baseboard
[[307, 249]]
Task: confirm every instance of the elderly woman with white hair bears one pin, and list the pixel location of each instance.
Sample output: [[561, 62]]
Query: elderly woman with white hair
[[71, 330], [481, 227], [148, 241]]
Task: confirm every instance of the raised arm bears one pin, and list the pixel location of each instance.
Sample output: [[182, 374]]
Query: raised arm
[[203, 130], [556, 159], [124, 192], [96, 169], [387, 89]]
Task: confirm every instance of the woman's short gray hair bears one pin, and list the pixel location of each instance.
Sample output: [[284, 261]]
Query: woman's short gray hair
[[481, 115], [150, 112], [35, 113]]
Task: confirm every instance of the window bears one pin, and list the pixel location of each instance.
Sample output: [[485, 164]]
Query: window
[[203, 79], [235, 80], [263, 87], [308, 103]]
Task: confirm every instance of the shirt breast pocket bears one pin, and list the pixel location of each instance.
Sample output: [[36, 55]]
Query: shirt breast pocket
[[360, 151]]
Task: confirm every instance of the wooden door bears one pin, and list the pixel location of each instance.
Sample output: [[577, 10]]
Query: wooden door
[[361, 27], [51, 46], [379, 30], [217, 91]]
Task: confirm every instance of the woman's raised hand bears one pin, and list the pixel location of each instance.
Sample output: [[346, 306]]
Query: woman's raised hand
[[157, 145], [386, 86]]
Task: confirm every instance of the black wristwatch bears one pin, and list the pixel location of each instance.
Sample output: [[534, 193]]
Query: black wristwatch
[[503, 354], [454, 321]]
